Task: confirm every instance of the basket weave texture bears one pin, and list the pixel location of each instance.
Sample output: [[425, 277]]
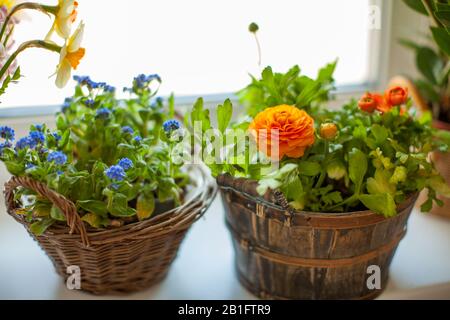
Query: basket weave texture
[[114, 261]]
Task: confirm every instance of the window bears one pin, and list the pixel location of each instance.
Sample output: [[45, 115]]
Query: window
[[200, 47]]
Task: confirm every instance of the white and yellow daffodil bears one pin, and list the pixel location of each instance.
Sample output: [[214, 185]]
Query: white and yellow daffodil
[[70, 55], [7, 3], [65, 16]]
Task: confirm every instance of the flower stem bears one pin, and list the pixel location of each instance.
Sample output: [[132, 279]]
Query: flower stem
[[258, 45], [22, 6], [24, 46], [324, 171]]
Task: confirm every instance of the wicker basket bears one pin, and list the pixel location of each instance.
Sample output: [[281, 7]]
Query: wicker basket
[[127, 259], [440, 159], [285, 254]]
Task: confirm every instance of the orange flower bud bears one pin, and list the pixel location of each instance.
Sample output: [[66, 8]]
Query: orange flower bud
[[370, 102], [396, 96], [328, 131]]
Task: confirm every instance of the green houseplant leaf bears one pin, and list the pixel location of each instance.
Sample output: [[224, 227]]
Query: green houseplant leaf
[[380, 203], [416, 5], [442, 38]]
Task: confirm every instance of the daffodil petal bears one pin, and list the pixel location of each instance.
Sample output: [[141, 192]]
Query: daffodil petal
[[75, 40], [63, 74]]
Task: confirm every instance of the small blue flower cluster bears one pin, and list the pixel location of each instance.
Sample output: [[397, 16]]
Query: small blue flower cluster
[[56, 136], [142, 81], [115, 173], [34, 139], [39, 127], [126, 164], [159, 102], [7, 133], [138, 139], [128, 130], [66, 104], [103, 113], [86, 80], [4, 145], [89, 103], [171, 125], [25, 142], [37, 136], [57, 157], [29, 166]]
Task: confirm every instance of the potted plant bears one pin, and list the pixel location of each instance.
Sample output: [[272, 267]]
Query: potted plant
[[101, 192], [313, 197], [432, 90]]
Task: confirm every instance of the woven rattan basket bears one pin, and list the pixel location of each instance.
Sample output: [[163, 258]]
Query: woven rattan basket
[[126, 259]]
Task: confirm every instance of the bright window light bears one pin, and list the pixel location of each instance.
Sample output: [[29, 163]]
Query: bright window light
[[199, 47]]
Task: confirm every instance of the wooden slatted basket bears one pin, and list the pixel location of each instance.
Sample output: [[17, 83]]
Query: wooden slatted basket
[[285, 254], [127, 259]]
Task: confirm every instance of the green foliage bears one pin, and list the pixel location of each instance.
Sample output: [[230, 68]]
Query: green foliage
[[434, 62], [83, 158], [376, 161], [10, 79], [290, 88]]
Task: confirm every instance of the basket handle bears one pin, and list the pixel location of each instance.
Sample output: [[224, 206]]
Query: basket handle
[[66, 206], [419, 101]]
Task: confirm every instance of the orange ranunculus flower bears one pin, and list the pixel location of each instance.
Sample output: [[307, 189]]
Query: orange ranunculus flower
[[370, 102], [289, 127], [396, 96]]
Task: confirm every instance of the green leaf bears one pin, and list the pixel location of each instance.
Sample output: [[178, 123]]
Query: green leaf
[[15, 168], [172, 106], [427, 205], [409, 44], [442, 38], [429, 64], [199, 114], [224, 114], [266, 184], [93, 206], [95, 220], [42, 209], [57, 214], [400, 175], [380, 133], [383, 204], [428, 91], [357, 168], [439, 185], [380, 183], [336, 170], [444, 17], [308, 94], [309, 168], [38, 228], [416, 5], [145, 206], [119, 206], [326, 73]]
